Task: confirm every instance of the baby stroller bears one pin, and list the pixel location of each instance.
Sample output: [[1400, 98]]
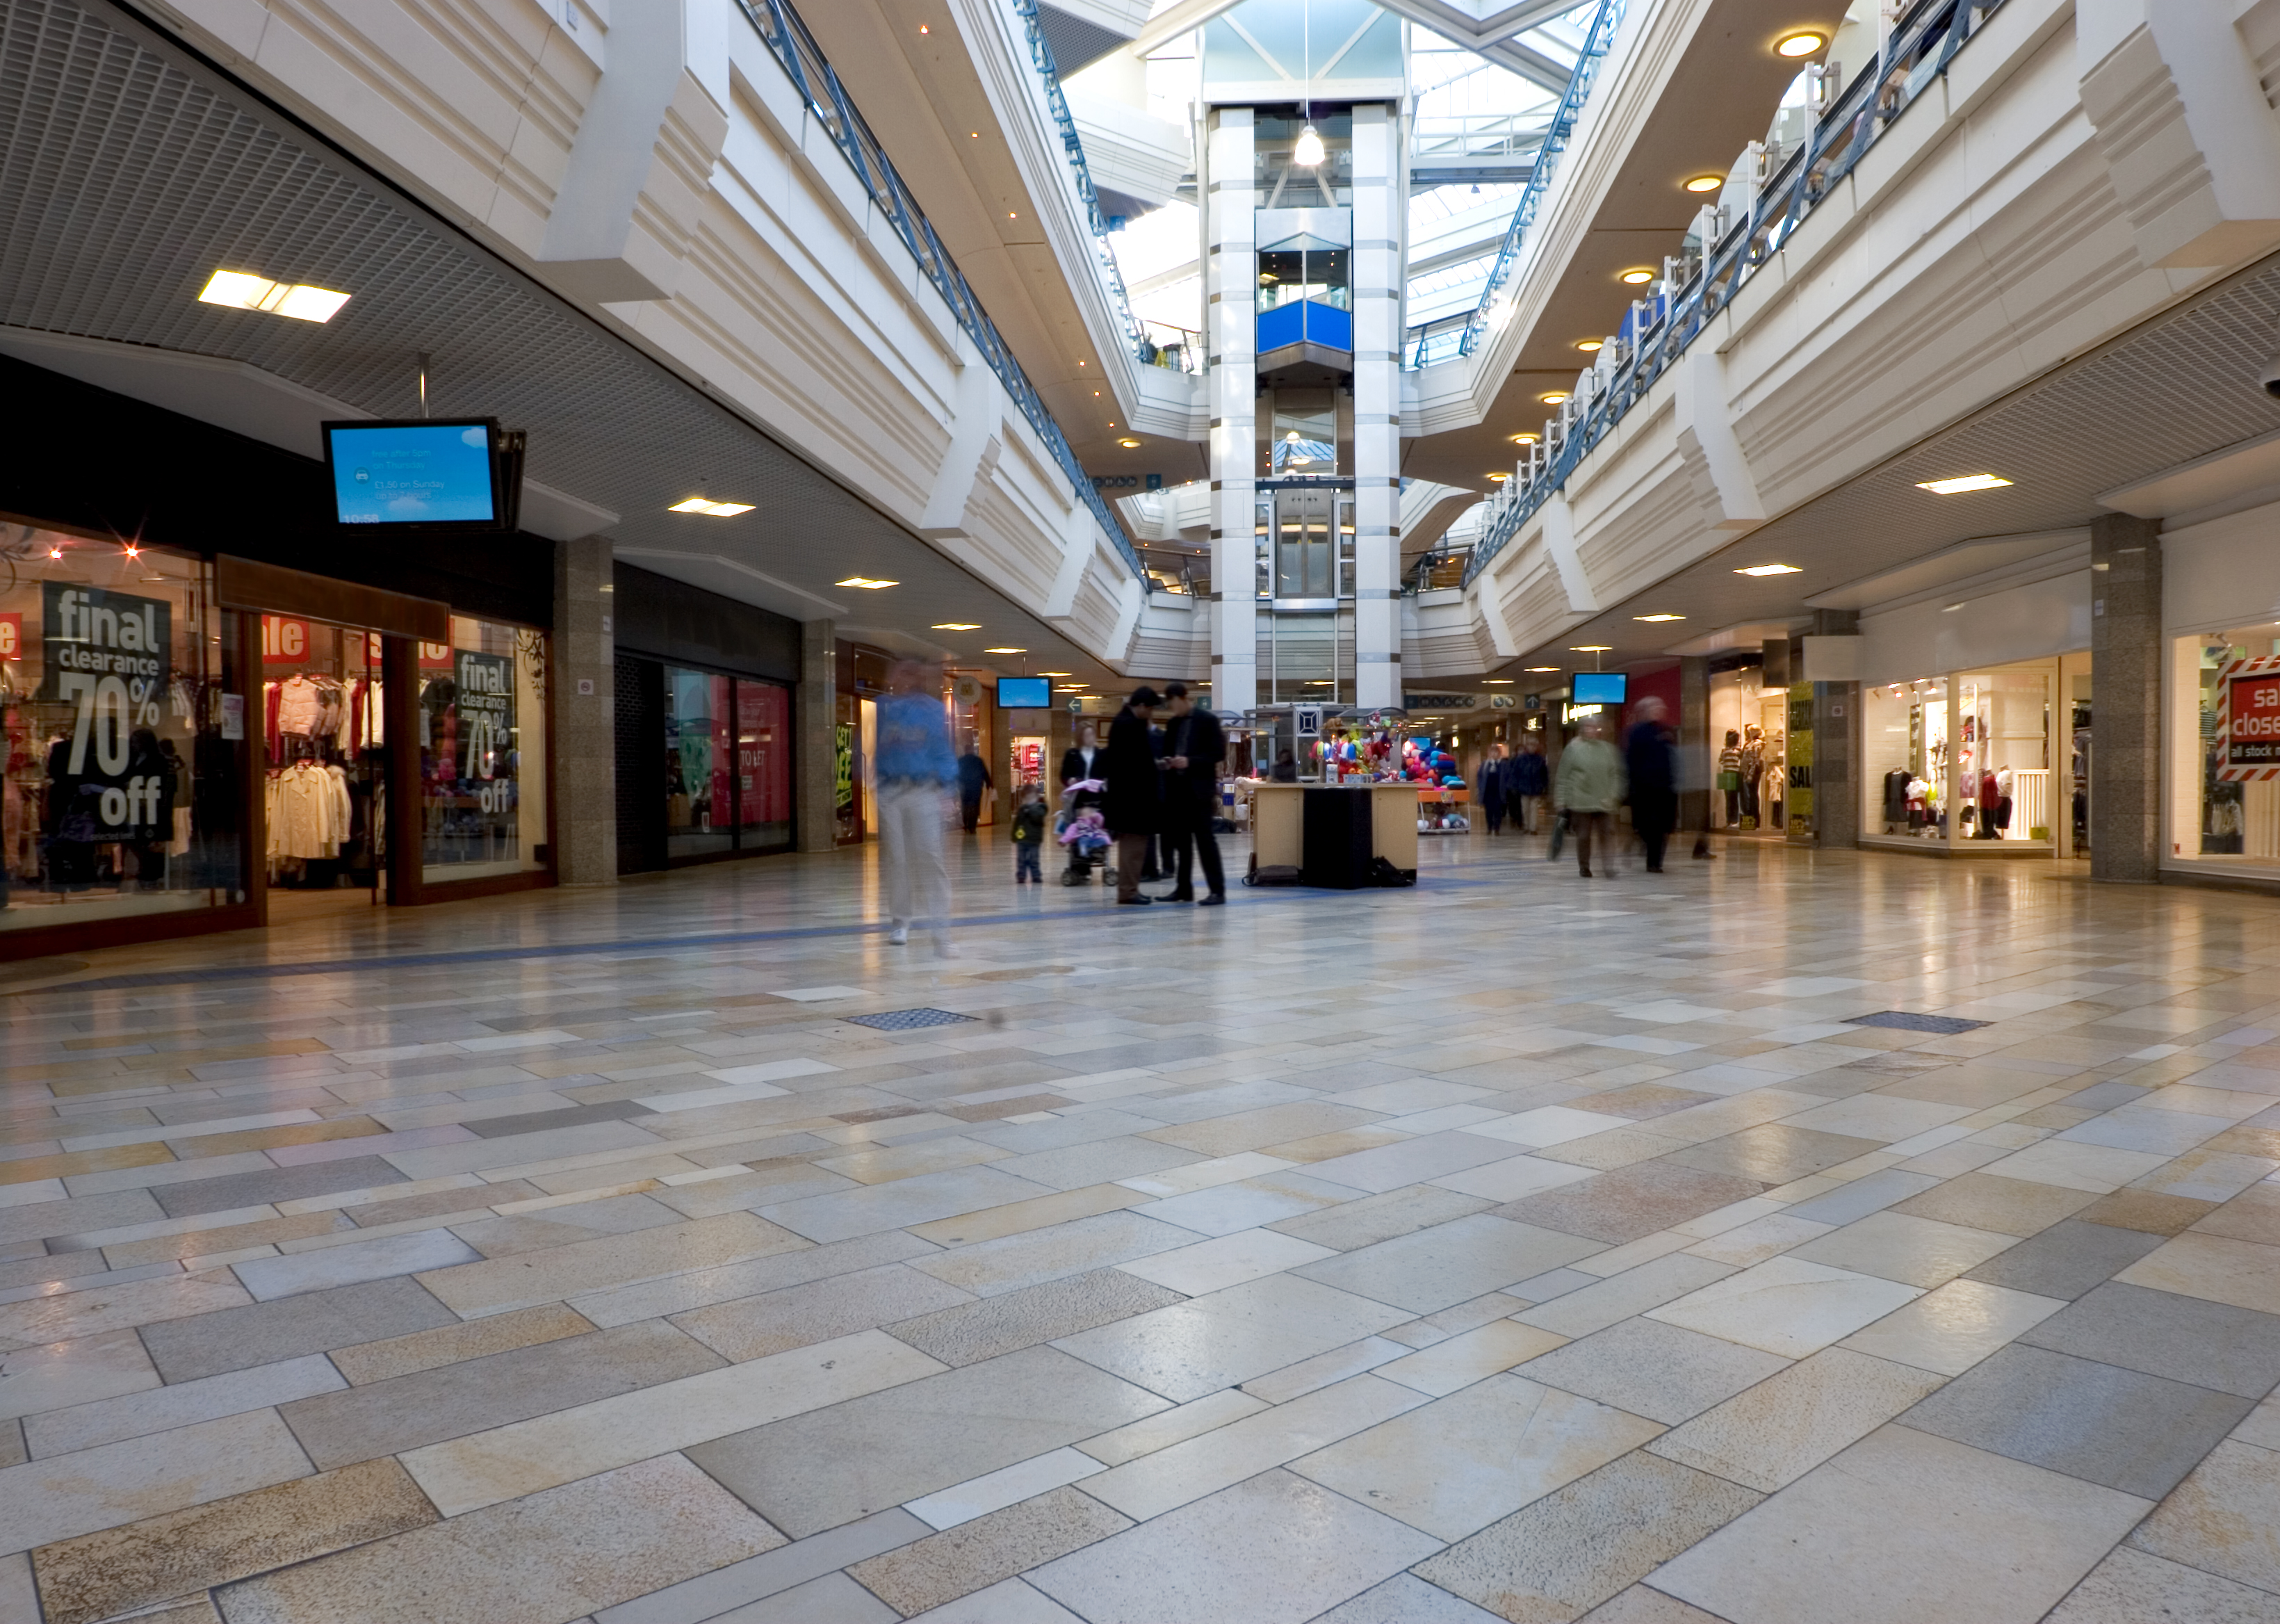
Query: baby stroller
[[1082, 834]]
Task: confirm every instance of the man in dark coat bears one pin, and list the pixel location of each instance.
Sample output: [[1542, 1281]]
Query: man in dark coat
[[1134, 798], [1653, 775], [1196, 745], [973, 779]]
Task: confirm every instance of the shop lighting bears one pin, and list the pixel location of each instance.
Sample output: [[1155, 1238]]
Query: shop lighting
[[956, 625], [1071, 688], [1658, 617], [1055, 674], [716, 510], [1590, 648], [1969, 481], [1591, 346], [1552, 397], [1769, 569], [55, 552], [866, 583], [1705, 183], [1499, 479], [1309, 151], [242, 291], [1534, 668], [1801, 44], [1129, 445], [1006, 652], [1638, 276], [1499, 681], [1523, 439], [1951, 608]]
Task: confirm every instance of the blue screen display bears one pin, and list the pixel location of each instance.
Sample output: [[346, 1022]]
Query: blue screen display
[[1024, 693], [1600, 687], [414, 473]]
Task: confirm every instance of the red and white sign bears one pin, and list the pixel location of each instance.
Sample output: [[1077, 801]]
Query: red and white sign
[[2248, 720], [11, 635], [283, 642], [434, 657]]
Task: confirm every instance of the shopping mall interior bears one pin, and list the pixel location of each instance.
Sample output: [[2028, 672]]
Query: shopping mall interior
[[1575, 918]]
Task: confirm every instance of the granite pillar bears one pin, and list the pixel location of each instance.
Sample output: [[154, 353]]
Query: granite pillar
[[583, 680], [2125, 716]]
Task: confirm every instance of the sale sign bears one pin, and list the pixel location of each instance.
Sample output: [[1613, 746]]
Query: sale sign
[[2250, 724], [11, 636], [284, 642]]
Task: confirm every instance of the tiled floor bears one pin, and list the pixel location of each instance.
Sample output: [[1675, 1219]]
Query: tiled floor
[[1508, 1248]]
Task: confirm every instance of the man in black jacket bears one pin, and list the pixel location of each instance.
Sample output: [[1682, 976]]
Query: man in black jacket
[[1133, 801], [1652, 771], [1196, 747]]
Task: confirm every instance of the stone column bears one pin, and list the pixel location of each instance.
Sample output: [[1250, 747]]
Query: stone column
[[583, 691], [2125, 712], [1374, 266], [1836, 744], [1697, 756], [815, 732], [1231, 342]]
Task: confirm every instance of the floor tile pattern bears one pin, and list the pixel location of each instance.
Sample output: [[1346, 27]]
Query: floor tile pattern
[[1803, 1236]]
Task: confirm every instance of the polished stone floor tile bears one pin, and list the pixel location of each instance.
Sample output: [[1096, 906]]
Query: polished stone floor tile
[[1177, 1425], [1767, 1436], [988, 1268], [1787, 1305], [1659, 1371], [65, 1496], [1384, 1217], [829, 1466], [497, 1284], [1201, 1561], [265, 1333], [982, 1552], [135, 1415], [1631, 1202], [1902, 1527], [1949, 1331], [2137, 1433], [1560, 1557], [2131, 1588], [1774, 1153], [1249, 1203], [1462, 1258], [1859, 1197], [2224, 1519], [794, 1316], [182, 1553], [1619, 1297], [719, 1592], [2066, 1259], [557, 1555], [844, 1215], [1917, 1251], [1469, 1356], [2007, 1207], [57, 1375], [2096, 1168], [2244, 1274], [1227, 1260], [1459, 1464], [2187, 1339], [1405, 1599], [400, 1356], [2251, 1215]]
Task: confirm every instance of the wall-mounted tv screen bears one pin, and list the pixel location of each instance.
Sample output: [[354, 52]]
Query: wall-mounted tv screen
[[1024, 693], [1600, 688], [420, 471]]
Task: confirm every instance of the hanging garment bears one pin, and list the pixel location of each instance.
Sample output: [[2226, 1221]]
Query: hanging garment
[[300, 706], [270, 692], [340, 811], [1896, 795], [301, 812]]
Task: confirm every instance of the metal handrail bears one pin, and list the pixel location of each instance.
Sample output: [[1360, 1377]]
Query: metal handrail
[[795, 50], [1911, 58], [1041, 58], [1597, 41]]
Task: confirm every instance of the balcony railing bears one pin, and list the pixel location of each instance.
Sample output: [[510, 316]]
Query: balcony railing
[[1425, 347], [1041, 58], [795, 48], [1698, 285]]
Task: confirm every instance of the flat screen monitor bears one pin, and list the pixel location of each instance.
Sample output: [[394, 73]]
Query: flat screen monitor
[[1601, 687], [1024, 693], [416, 472]]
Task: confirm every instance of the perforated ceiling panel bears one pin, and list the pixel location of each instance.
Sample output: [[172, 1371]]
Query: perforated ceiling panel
[[2180, 387], [130, 171]]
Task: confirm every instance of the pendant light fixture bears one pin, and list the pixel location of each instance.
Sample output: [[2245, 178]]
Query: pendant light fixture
[[1309, 151]]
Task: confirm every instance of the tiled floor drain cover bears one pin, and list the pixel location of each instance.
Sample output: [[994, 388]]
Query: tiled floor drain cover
[[905, 1021], [1946, 1026]]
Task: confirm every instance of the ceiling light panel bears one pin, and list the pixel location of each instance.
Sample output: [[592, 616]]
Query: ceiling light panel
[[242, 291], [1769, 569], [710, 509], [1968, 481], [866, 583]]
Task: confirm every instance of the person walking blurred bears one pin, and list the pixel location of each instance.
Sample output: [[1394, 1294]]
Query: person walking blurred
[[973, 779], [1590, 788], [1197, 744], [1652, 766], [1491, 789], [1132, 802], [915, 772], [1527, 779]]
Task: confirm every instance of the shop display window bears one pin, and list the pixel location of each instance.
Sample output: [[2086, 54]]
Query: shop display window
[[1962, 761], [1905, 759], [323, 722], [482, 753], [728, 764], [764, 765], [121, 787], [2223, 745]]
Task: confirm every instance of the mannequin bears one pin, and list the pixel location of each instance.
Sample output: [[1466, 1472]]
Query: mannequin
[[1754, 770], [1729, 776]]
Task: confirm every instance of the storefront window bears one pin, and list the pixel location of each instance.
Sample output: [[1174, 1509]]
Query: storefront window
[[121, 786], [482, 753], [323, 721], [2224, 746], [699, 804], [764, 765], [1962, 761]]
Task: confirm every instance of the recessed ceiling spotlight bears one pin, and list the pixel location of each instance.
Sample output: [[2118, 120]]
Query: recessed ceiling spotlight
[[1499, 479], [1055, 674], [1951, 608], [1071, 688], [1523, 439], [866, 583], [1591, 346], [1968, 481], [242, 291], [1802, 44], [1499, 681], [1658, 617], [1705, 183], [1129, 445], [1638, 276], [716, 510], [956, 625], [1552, 397], [1590, 648], [1543, 667], [1004, 650], [1769, 569]]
